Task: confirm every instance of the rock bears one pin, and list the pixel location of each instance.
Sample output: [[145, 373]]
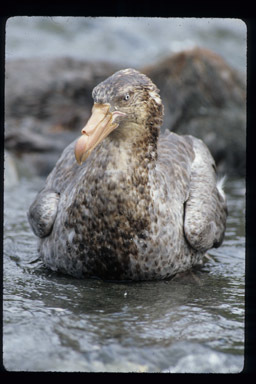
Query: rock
[[206, 98], [48, 102]]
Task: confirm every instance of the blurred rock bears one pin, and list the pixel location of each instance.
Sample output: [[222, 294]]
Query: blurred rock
[[206, 98], [48, 102]]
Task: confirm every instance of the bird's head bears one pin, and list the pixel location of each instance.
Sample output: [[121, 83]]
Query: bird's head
[[127, 100]]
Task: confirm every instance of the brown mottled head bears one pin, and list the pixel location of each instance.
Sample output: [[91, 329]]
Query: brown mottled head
[[120, 83], [129, 100], [130, 91]]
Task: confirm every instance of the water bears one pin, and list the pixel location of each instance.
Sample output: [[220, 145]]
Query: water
[[126, 41], [194, 323]]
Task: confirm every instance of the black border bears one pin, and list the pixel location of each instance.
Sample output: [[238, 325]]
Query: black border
[[161, 9]]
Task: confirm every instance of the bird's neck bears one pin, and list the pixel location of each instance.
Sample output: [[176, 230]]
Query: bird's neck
[[137, 144]]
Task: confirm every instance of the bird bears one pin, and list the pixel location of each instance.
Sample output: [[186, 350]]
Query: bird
[[126, 201]]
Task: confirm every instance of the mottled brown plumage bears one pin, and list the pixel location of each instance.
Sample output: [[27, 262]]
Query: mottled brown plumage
[[141, 206]]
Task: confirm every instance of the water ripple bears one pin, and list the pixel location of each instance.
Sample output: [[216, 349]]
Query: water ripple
[[54, 322]]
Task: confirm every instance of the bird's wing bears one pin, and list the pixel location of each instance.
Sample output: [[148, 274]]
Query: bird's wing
[[43, 210], [175, 156], [205, 209]]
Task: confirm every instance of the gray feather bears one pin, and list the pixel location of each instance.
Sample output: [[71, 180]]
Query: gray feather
[[142, 206]]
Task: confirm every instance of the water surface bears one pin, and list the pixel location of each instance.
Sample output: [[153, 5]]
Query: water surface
[[192, 323], [128, 41]]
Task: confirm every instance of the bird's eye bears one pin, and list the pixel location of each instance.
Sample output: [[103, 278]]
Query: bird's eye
[[127, 97]]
